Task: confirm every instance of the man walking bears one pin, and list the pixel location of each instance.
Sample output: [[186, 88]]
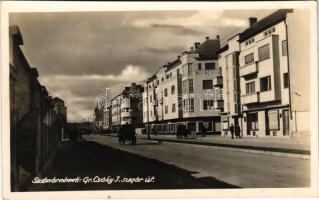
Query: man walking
[[237, 131], [232, 129]]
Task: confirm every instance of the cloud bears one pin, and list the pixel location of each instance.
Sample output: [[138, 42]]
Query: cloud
[[201, 18], [159, 51], [80, 91], [130, 73]]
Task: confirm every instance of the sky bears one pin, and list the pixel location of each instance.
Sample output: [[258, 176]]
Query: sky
[[80, 54]]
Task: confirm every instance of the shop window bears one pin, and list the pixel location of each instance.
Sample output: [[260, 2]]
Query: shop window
[[252, 121], [273, 120]]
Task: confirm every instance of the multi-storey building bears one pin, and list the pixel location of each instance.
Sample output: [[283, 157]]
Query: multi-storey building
[[126, 107], [187, 91], [269, 81], [229, 63]]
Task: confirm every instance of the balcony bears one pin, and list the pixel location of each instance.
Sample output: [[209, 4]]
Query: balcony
[[250, 98], [218, 81], [249, 69], [205, 72]]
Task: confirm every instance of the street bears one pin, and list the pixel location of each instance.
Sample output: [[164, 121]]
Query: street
[[242, 169], [172, 166]]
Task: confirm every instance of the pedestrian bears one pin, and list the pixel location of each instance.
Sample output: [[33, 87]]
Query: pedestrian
[[232, 129], [237, 131], [203, 131]]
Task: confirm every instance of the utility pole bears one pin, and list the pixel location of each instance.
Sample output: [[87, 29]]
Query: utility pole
[[147, 110]]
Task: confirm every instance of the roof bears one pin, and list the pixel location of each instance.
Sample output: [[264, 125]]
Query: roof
[[57, 99], [265, 23], [15, 32], [208, 50], [173, 64], [224, 48]]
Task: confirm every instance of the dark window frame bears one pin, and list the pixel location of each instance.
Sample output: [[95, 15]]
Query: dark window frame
[[267, 56], [262, 89]]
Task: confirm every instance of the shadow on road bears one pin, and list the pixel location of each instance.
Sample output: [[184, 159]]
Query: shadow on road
[[89, 159]]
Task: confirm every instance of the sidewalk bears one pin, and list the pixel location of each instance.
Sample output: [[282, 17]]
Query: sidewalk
[[280, 145]]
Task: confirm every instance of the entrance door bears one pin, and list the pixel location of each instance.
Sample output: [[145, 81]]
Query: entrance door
[[285, 122]]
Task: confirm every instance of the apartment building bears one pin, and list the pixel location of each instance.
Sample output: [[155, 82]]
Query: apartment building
[[228, 60], [265, 74], [186, 91], [126, 107]]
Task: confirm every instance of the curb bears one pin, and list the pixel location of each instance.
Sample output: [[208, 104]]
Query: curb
[[281, 152], [291, 153]]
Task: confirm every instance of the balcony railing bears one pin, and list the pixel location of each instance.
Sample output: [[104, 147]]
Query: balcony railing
[[250, 98], [218, 81], [249, 69], [205, 72]]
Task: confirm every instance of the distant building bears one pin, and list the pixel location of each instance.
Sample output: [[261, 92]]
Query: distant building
[[126, 107], [186, 91]]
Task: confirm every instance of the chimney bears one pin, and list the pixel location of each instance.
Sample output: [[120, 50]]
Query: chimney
[[191, 48], [252, 21], [207, 38], [217, 37], [196, 45], [178, 57]]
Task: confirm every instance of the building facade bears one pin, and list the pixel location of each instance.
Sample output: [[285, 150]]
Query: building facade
[[36, 120], [186, 91], [126, 107], [260, 70]]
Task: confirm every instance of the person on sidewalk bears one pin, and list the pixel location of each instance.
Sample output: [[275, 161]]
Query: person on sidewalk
[[237, 132], [232, 130], [204, 131]]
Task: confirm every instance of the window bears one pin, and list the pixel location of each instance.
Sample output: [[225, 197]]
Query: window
[[286, 80], [249, 58], [235, 58], [190, 85], [207, 104], [265, 84], [190, 68], [162, 79], [269, 31], [151, 98], [165, 92], [173, 89], [191, 105], [173, 107], [151, 113], [263, 52], [185, 105], [167, 76], [249, 41], [284, 47], [199, 66], [207, 84], [209, 66], [166, 109], [252, 121], [250, 87], [170, 75], [185, 86]]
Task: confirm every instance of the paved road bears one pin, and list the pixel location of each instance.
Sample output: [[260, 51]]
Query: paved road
[[236, 168], [86, 159]]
